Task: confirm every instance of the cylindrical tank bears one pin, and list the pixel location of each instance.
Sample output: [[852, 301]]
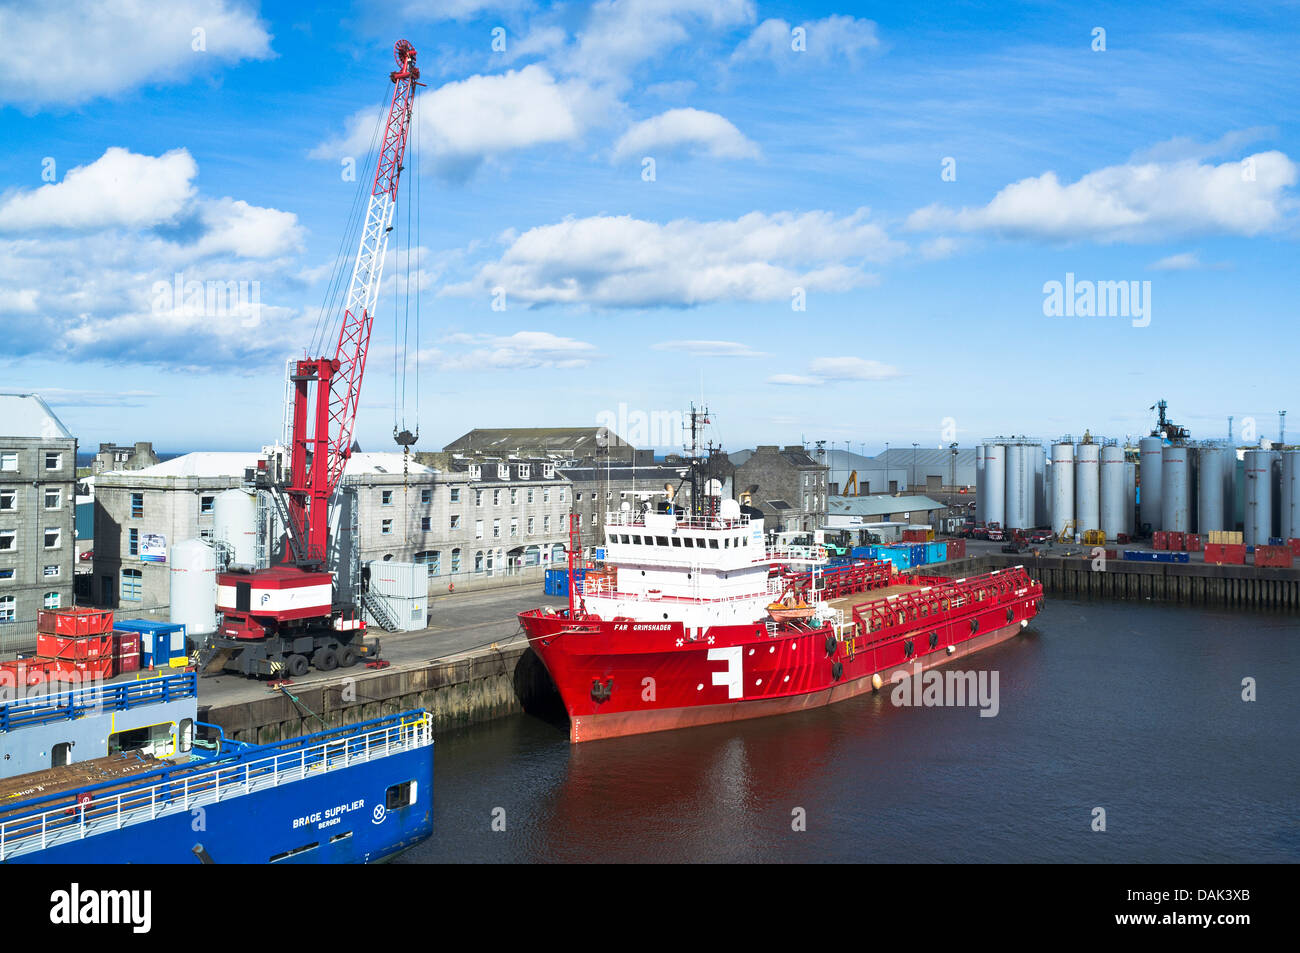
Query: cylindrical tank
[[192, 579], [1259, 497], [1211, 499], [1040, 486], [1016, 501], [1130, 497], [1149, 475], [981, 486], [995, 479], [1290, 522], [1112, 492], [1062, 486], [234, 523], [1175, 498], [1087, 487]]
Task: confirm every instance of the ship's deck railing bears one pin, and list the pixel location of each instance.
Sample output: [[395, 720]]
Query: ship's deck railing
[[794, 554], [76, 702], [604, 588], [111, 805], [680, 520]]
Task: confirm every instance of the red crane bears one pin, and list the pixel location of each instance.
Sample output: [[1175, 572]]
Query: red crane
[[281, 619]]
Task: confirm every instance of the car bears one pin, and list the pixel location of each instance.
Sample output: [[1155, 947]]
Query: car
[[87, 556], [1040, 536]]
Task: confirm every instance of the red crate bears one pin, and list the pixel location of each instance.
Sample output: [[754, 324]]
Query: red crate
[[126, 643], [68, 670], [1193, 542], [1175, 542], [73, 622], [1278, 557], [1160, 540], [956, 548], [79, 649], [127, 662], [26, 672], [1294, 543]]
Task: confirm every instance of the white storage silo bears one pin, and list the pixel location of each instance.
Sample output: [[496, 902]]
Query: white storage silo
[[192, 580], [1212, 485], [1130, 497], [1175, 483], [1259, 497], [1016, 504], [1149, 486], [1040, 486], [234, 524], [995, 479], [1087, 487], [1112, 492], [1290, 498], [981, 487], [1062, 486]]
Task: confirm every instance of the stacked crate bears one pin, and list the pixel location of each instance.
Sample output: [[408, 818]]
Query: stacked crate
[[76, 644]]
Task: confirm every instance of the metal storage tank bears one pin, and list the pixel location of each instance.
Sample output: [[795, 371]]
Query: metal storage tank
[[1175, 490], [1150, 458], [234, 523], [1259, 497], [1062, 486], [1290, 499], [1213, 486], [1016, 497], [995, 477], [1040, 486], [1112, 492], [192, 580], [981, 488], [1130, 497], [1087, 487]]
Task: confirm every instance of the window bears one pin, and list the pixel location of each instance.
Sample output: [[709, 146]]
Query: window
[[8, 500], [431, 558], [593, 519], [496, 529], [455, 521], [8, 540], [455, 494], [133, 543], [548, 470], [53, 537], [6, 608], [206, 503], [131, 584], [50, 571], [478, 561], [426, 496], [6, 573], [455, 560], [546, 494], [514, 496], [524, 470], [531, 521], [496, 497], [478, 497], [561, 494], [514, 526], [503, 471], [478, 529], [137, 505], [9, 461], [386, 527], [386, 497], [530, 494], [53, 498], [475, 471], [426, 523], [53, 460], [546, 524], [50, 600]]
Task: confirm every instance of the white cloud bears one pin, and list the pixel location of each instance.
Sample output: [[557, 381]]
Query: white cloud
[[1145, 202], [793, 380], [463, 122], [685, 128], [436, 10], [234, 227], [77, 50], [519, 351], [710, 348], [1186, 261], [825, 370], [622, 262], [120, 188], [832, 38]]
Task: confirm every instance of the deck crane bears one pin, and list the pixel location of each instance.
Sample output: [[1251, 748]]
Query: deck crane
[[282, 619]]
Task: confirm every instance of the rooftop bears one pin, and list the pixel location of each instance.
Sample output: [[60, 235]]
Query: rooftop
[[28, 416], [879, 505], [215, 463]]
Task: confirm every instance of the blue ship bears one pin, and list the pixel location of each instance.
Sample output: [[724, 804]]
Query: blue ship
[[350, 795]]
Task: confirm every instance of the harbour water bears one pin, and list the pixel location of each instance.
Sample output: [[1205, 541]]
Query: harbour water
[[1134, 709]]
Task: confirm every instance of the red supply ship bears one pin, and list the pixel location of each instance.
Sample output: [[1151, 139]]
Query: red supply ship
[[700, 617]]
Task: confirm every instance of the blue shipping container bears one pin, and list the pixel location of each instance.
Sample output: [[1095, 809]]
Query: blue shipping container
[[936, 552], [160, 642]]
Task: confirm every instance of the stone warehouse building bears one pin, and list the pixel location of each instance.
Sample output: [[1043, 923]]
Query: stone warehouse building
[[599, 488], [559, 444], [786, 483], [38, 480]]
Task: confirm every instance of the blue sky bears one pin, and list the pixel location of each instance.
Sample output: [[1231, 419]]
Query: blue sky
[[1167, 157]]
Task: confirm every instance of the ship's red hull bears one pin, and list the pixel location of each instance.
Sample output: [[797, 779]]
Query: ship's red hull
[[618, 677]]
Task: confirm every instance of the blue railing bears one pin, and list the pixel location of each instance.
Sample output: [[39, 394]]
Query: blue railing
[[78, 702]]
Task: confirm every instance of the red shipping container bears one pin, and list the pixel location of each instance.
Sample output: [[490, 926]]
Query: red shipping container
[[1295, 546], [127, 662], [1278, 557], [1175, 542], [74, 649], [126, 643], [1192, 542], [956, 548], [74, 621], [1160, 540]]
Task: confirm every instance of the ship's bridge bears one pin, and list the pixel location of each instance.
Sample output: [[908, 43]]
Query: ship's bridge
[[728, 541]]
